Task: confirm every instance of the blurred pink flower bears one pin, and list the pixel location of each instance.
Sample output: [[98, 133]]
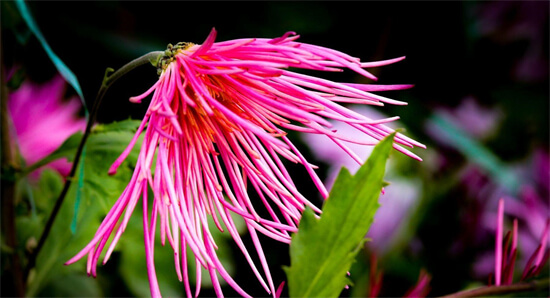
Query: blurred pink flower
[[42, 120], [471, 117], [215, 126]]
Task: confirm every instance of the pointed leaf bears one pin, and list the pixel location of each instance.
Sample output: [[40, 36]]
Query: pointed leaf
[[322, 250]]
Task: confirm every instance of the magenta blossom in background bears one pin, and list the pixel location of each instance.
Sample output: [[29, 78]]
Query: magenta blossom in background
[[42, 120], [215, 129]]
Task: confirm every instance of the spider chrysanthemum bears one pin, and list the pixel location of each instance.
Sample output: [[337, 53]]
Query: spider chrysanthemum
[[216, 129]]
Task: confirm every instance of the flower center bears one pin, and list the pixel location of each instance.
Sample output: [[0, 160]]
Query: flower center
[[170, 54]]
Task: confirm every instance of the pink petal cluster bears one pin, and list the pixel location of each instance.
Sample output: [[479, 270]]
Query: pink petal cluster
[[506, 251], [42, 120], [216, 126]]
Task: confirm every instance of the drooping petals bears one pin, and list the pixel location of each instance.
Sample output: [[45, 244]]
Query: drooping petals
[[215, 132]]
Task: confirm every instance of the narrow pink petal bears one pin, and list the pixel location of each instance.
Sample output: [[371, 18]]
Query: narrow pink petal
[[498, 243], [280, 290], [153, 283], [382, 62], [543, 243], [374, 87], [207, 44], [263, 260]]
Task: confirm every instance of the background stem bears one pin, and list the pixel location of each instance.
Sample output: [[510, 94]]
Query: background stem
[[501, 290], [8, 195]]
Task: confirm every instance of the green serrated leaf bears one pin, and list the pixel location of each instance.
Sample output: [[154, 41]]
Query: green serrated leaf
[[322, 250]]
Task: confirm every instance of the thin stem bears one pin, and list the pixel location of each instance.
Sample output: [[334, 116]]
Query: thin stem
[[8, 193], [501, 290], [110, 77]]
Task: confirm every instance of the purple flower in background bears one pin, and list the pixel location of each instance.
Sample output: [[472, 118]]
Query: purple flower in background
[[478, 121], [215, 127], [42, 120]]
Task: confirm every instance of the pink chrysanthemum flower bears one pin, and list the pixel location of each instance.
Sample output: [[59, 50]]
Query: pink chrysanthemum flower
[[215, 126]]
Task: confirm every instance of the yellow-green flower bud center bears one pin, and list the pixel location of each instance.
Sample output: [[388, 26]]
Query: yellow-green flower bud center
[[170, 54]]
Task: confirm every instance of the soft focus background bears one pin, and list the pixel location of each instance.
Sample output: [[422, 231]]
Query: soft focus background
[[480, 104]]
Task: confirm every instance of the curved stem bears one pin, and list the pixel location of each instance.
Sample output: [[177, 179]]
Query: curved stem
[[501, 290], [110, 77]]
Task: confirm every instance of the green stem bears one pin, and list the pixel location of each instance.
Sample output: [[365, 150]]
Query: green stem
[[501, 290], [110, 77], [9, 164]]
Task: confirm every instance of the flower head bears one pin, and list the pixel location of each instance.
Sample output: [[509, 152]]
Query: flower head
[[216, 126]]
